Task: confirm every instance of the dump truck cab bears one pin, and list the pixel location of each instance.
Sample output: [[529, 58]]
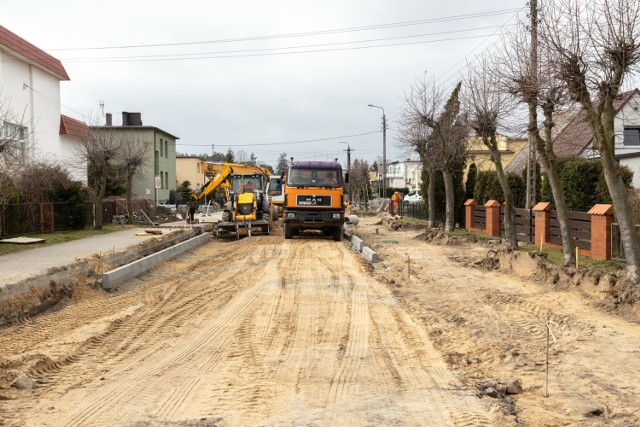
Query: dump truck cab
[[314, 198]]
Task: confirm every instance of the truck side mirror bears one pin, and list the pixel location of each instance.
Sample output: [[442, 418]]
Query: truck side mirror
[[346, 178]]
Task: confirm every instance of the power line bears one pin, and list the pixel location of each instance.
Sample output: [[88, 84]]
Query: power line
[[277, 53], [476, 48], [195, 55], [283, 143], [303, 34]]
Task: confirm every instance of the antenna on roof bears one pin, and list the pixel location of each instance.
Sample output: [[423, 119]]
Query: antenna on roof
[[101, 102]]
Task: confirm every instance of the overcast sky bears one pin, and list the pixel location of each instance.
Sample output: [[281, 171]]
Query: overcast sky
[[231, 73]]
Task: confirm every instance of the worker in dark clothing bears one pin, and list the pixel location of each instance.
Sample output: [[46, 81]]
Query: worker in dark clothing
[[193, 205]]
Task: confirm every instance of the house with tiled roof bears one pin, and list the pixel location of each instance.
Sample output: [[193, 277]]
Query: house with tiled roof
[[30, 98], [573, 136]]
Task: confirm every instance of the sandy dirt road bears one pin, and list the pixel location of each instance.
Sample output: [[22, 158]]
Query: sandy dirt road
[[260, 331]]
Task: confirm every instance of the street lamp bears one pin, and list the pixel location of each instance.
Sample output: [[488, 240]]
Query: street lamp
[[348, 169], [384, 151]]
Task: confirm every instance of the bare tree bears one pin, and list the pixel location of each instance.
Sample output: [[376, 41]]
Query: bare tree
[[416, 137], [359, 181], [100, 150], [133, 156], [448, 131], [596, 46], [533, 84], [488, 106]]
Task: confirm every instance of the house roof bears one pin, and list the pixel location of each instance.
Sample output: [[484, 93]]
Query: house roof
[[189, 157], [573, 133], [72, 127], [146, 128], [577, 136], [17, 46]]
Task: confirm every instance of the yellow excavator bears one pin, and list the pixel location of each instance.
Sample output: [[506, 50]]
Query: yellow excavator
[[247, 206]]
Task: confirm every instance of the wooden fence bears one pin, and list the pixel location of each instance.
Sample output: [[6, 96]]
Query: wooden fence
[[580, 223], [524, 222]]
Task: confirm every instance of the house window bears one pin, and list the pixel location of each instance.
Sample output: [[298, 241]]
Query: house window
[[13, 131], [14, 138], [161, 180], [632, 136], [166, 148], [160, 147]]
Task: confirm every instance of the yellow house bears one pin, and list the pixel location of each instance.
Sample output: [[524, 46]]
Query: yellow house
[[479, 154], [188, 169]]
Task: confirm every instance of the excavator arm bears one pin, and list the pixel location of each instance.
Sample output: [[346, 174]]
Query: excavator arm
[[219, 179]]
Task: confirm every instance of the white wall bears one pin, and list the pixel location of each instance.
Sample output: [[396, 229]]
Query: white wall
[[36, 106], [629, 116]]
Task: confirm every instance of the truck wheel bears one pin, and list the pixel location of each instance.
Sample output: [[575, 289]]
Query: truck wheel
[[288, 231], [296, 231], [226, 216], [337, 234]]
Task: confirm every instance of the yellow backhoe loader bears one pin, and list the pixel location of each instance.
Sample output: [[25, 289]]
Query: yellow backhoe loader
[[247, 206]]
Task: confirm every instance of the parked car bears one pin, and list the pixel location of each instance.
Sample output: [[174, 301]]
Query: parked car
[[414, 196]]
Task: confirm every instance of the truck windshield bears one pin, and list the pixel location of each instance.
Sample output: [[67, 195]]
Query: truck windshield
[[314, 178]]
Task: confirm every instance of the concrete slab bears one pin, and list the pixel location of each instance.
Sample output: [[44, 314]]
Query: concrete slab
[[22, 240], [112, 278]]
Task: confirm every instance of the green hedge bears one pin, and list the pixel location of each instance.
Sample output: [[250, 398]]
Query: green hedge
[[487, 187], [583, 183]]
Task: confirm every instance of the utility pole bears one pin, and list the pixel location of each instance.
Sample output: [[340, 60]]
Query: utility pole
[[384, 155], [533, 73], [384, 151], [348, 170]]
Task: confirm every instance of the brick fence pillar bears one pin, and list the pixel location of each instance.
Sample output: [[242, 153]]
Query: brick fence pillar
[[542, 222], [601, 220], [493, 217], [469, 206]]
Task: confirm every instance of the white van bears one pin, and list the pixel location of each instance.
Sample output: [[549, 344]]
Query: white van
[[414, 196]]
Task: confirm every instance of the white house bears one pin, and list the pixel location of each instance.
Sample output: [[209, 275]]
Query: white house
[[404, 174], [573, 136], [30, 98]]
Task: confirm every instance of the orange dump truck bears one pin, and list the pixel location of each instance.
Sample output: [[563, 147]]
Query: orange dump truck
[[314, 198]]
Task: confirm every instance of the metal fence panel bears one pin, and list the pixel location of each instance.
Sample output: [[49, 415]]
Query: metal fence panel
[[30, 218], [413, 210]]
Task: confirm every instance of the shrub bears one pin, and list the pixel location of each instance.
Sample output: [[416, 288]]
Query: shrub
[[75, 208], [583, 183]]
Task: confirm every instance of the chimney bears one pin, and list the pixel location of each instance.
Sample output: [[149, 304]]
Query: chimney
[[109, 120], [131, 119]]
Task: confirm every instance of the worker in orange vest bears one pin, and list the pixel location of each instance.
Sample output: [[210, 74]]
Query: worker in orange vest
[[395, 203]]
